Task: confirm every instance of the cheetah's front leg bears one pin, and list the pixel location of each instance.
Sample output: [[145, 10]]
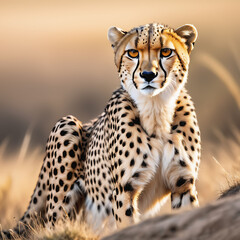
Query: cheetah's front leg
[[181, 155], [124, 209], [179, 175]]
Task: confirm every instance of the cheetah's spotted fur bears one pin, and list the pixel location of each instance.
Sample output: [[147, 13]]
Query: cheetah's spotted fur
[[143, 147]]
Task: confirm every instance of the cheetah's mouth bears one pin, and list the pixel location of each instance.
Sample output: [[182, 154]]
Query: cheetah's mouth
[[148, 88]]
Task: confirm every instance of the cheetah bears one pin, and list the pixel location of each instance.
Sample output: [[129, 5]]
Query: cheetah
[[145, 146]]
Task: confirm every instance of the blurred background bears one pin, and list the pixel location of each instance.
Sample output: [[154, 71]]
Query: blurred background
[[55, 60]]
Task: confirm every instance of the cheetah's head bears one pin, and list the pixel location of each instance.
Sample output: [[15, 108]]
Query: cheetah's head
[[152, 58]]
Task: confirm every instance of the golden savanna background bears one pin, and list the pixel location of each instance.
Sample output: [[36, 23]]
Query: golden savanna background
[[55, 60]]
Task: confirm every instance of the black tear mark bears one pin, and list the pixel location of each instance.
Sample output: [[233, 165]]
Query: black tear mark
[[134, 74]]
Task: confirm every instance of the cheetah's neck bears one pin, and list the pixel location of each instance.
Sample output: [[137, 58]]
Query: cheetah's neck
[[156, 113]]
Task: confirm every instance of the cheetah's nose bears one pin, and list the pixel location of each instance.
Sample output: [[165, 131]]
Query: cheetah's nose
[[148, 76]]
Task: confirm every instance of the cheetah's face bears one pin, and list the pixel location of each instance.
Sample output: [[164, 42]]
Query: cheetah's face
[[153, 57]]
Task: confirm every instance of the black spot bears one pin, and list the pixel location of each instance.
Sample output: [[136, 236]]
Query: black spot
[[55, 171], [63, 133], [129, 134], [186, 113], [71, 153], [126, 154], [182, 163], [131, 145], [180, 182], [132, 162], [35, 200], [74, 165], [192, 130], [128, 187], [54, 214], [180, 108], [174, 127], [67, 199], [72, 123], [131, 124], [139, 140], [138, 151], [107, 211], [66, 142], [59, 159], [170, 141], [48, 164], [144, 164], [192, 198], [122, 172], [182, 123], [128, 108], [119, 162], [62, 125], [149, 146], [176, 152], [55, 199], [69, 176], [75, 147], [74, 133], [61, 182], [62, 169], [136, 120], [129, 212], [136, 175]]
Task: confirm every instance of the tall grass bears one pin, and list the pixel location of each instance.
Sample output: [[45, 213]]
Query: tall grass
[[223, 74]]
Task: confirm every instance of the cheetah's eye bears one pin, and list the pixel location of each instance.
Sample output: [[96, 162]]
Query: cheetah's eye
[[133, 53], [166, 52]]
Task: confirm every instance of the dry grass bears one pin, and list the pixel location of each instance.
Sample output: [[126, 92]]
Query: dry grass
[[223, 74]]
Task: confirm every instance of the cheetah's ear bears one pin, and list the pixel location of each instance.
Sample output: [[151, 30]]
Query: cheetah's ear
[[189, 33], [115, 35]]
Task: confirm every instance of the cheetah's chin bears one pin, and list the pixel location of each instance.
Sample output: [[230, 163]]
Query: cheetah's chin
[[150, 91]]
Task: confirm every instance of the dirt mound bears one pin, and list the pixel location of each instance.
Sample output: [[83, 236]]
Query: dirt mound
[[217, 221]]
